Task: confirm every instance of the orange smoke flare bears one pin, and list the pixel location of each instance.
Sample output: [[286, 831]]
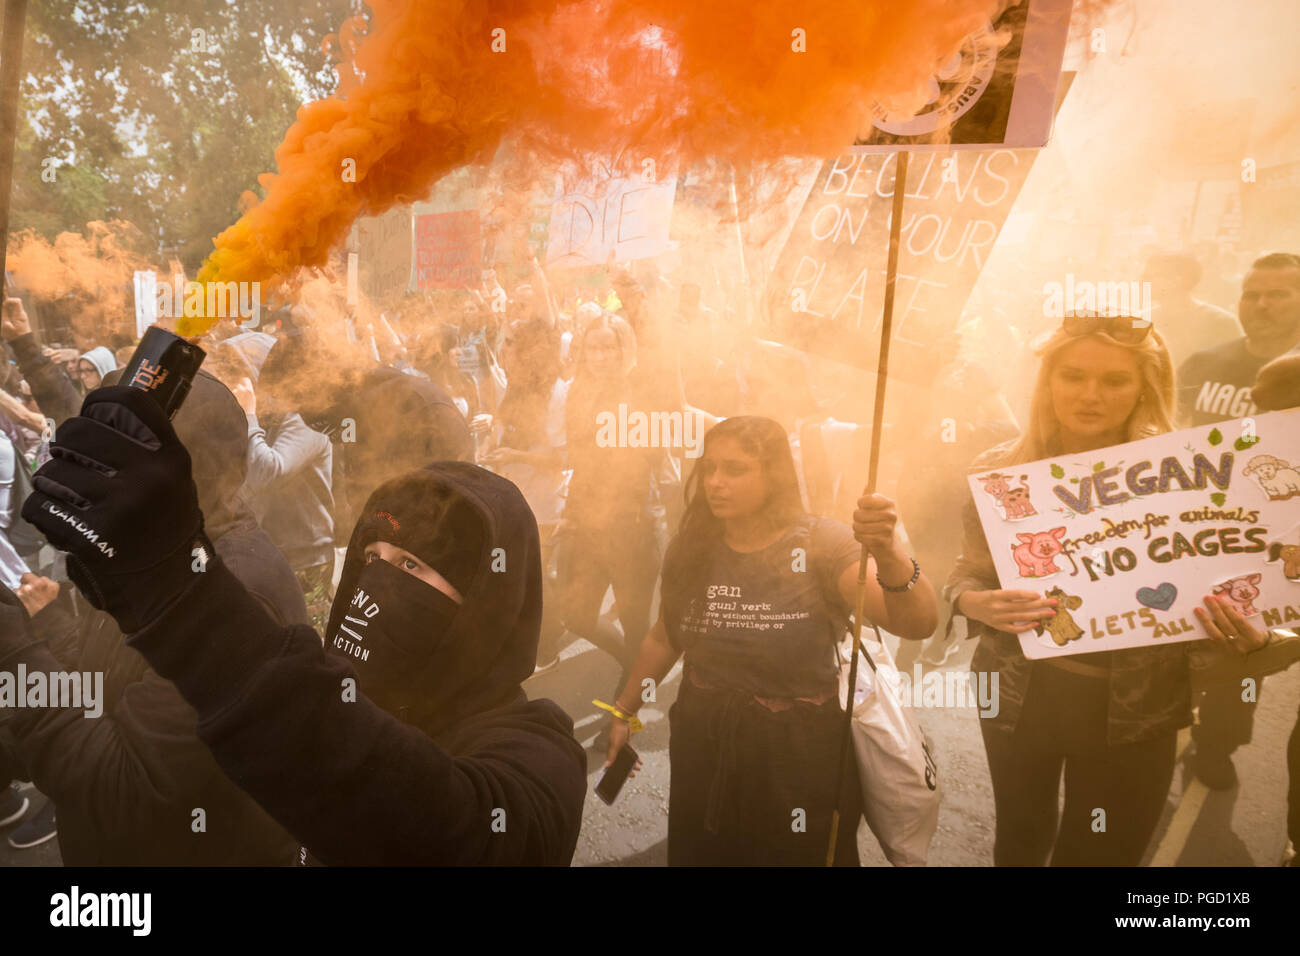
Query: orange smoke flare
[[438, 84]]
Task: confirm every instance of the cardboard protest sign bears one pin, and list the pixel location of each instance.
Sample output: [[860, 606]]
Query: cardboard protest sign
[[999, 89], [447, 254], [628, 217], [1129, 539], [827, 290], [384, 246], [146, 301]]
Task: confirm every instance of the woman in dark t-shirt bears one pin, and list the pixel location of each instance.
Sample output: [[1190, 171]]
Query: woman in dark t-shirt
[[756, 593]]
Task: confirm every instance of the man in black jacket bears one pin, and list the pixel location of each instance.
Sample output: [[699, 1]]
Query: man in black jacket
[[54, 391], [128, 787], [428, 752]]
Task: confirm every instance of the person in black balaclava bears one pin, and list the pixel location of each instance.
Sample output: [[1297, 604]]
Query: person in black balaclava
[[407, 738]]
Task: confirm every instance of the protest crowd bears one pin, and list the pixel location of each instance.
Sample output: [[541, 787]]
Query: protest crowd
[[313, 468], [532, 355]]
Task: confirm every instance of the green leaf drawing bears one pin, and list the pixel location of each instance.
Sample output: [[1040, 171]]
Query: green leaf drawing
[[1074, 481], [1215, 436], [1058, 471], [1099, 466], [1242, 443], [1219, 498]]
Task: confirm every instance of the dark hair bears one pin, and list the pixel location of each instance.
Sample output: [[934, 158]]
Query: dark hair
[[1277, 260], [686, 562], [522, 411]]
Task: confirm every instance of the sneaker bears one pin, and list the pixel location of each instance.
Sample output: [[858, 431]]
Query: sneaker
[[12, 806], [35, 831], [549, 665], [1214, 770]]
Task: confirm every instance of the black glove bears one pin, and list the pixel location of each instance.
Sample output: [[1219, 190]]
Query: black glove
[[118, 497]]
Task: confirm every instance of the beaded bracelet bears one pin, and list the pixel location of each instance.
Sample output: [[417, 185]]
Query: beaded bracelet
[[916, 576]]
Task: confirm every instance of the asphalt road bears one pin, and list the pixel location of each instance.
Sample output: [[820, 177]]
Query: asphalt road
[[1244, 826]]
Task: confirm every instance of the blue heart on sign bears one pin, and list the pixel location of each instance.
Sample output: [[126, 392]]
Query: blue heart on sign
[[1161, 598]]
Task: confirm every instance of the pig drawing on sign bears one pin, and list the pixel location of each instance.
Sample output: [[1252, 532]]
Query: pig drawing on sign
[[1014, 502], [1241, 592], [1276, 477], [1062, 626], [1034, 553]]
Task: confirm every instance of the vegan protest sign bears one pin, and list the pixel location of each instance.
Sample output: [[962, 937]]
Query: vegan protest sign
[[1129, 539]]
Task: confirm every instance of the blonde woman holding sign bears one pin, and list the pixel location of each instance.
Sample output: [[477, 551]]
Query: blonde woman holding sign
[[1109, 720]]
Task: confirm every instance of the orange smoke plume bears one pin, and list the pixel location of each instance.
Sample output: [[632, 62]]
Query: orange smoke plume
[[427, 86], [92, 273]]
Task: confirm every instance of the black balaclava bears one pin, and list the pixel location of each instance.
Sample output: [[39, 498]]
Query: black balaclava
[[416, 653]]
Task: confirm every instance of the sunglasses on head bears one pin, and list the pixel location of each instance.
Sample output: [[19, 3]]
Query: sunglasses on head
[[1122, 328]]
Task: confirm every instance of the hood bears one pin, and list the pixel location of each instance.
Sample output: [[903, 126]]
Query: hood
[[214, 430], [490, 646], [250, 349], [103, 360]]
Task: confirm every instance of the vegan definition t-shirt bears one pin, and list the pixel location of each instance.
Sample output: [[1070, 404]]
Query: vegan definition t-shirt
[[767, 622]]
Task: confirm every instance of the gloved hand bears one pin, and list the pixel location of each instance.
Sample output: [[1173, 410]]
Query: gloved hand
[[118, 497]]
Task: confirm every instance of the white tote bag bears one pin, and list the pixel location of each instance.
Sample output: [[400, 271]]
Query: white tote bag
[[896, 767]]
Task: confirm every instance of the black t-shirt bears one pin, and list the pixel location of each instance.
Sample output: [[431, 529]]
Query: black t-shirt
[[766, 622], [1214, 385]]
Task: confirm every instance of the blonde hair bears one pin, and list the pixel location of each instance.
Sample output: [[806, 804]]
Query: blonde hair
[[1151, 416]]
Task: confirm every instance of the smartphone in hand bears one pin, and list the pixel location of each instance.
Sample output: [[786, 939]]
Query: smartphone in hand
[[616, 775]]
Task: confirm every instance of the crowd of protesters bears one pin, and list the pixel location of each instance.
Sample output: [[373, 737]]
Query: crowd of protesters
[[322, 521]]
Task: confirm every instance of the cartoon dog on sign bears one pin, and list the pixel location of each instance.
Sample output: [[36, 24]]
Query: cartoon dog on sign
[[1014, 502], [1034, 553], [1241, 592], [1062, 626], [1289, 555]]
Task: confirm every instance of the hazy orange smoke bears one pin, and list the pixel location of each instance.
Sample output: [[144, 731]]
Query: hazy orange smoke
[[423, 92], [96, 268]]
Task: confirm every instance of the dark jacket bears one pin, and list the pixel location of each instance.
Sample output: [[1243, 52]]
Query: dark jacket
[[492, 778], [57, 395], [125, 785]]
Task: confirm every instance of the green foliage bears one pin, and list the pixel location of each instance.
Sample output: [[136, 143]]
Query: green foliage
[[147, 128], [1216, 436], [1058, 471]]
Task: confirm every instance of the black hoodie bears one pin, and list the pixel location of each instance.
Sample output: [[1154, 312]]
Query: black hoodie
[[125, 785], [488, 777]]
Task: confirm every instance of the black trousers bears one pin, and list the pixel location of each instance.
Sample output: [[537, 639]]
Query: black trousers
[[1223, 720], [1113, 795], [750, 787]]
